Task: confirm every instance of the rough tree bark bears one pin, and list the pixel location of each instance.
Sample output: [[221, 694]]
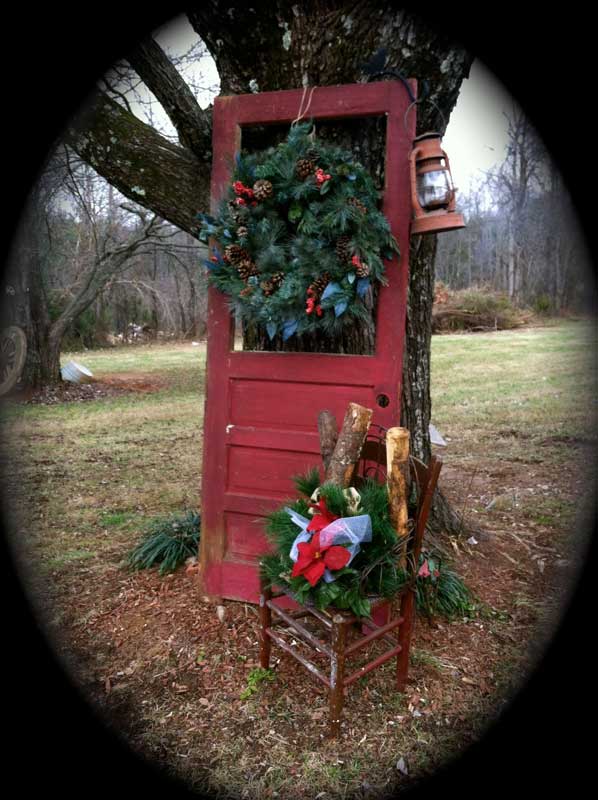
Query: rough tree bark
[[24, 301], [277, 45]]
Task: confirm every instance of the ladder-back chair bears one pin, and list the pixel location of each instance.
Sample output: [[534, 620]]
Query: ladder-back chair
[[340, 634]]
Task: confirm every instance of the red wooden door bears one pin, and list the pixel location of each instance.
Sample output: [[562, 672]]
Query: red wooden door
[[261, 408]]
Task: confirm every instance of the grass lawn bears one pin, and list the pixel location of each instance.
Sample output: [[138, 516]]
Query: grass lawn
[[82, 478]]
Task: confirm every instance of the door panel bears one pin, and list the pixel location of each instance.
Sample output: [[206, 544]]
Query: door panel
[[261, 409]]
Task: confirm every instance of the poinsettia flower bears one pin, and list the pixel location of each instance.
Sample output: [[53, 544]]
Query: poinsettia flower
[[323, 518], [424, 570], [314, 559]]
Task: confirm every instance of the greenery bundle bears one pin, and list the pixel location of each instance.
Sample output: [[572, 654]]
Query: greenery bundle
[[299, 237], [167, 541], [372, 571], [440, 591]]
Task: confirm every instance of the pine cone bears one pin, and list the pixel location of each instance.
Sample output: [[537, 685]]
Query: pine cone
[[362, 271], [237, 212], [262, 189], [318, 286], [304, 168], [313, 154], [272, 284], [343, 250], [246, 291], [234, 254], [357, 204], [242, 231], [246, 268]]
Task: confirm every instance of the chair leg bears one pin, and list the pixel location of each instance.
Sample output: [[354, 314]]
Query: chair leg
[[407, 611], [337, 674], [265, 622]]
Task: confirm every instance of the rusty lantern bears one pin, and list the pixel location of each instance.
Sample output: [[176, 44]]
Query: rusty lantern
[[432, 190]]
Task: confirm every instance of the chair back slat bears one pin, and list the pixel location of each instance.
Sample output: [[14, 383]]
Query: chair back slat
[[424, 505]]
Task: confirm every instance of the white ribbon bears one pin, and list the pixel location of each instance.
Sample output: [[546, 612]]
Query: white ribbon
[[345, 530]]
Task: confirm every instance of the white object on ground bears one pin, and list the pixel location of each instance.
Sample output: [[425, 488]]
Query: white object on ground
[[435, 437], [76, 373]]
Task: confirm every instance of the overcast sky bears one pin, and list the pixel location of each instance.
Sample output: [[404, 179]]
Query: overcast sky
[[476, 135]]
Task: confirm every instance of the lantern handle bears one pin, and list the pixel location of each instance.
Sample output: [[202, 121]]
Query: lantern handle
[[396, 74]]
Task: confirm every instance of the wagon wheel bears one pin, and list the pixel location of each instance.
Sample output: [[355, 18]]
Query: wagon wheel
[[13, 351]]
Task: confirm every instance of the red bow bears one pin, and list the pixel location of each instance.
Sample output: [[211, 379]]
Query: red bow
[[313, 559], [322, 519]]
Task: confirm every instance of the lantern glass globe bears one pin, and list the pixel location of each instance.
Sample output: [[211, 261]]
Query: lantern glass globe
[[434, 189]]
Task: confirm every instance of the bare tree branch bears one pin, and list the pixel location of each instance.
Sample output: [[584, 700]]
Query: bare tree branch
[[140, 163], [194, 126]]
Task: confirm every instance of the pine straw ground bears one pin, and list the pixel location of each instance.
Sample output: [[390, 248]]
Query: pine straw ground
[[151, 653]]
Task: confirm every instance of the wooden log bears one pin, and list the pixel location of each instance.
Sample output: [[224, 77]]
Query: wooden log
[[397, 479], [348, 446], [328, 431]]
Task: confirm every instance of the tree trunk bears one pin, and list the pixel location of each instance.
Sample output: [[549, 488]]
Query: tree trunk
[[279, 46], [25, 304]]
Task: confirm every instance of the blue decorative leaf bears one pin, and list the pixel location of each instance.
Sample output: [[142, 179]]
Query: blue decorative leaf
[[288, 329], [271, 329], [227, 233], [332, 288], [210, 264], [340, 308], [363, 285], [352, 177], [351, 277]]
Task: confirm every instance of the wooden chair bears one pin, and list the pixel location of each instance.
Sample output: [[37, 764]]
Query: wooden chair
[[341, 634]]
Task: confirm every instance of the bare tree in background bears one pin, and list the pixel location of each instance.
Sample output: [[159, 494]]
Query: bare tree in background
[[108, 239], [522, 237]]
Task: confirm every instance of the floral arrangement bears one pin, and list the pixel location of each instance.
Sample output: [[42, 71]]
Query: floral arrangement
[[337, 547], [334, 546], [298, 239]]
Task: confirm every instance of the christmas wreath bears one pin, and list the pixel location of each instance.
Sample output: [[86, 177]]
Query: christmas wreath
[[298, 237], [334, 546]]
